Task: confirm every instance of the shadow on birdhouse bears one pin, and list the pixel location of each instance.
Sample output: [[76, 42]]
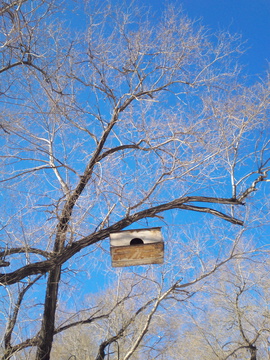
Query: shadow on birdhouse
[[137, 247]]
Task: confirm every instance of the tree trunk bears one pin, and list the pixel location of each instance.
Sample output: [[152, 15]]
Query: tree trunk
[[253, 352], [47, 329]]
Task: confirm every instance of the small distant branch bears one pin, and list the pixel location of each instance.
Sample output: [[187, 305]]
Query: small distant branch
[[92, 318], [120, 333], [80, 322], [13, 318], [34, 341], [38, 168], [7, 7]]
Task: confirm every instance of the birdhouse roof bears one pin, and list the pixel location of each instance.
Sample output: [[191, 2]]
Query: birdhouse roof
[[148, 236]]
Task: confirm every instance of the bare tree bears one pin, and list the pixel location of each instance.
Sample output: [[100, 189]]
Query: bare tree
[[228, 318], [110, 127]]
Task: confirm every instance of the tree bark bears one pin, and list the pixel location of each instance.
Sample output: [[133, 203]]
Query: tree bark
[[47, 328], [253, 352]]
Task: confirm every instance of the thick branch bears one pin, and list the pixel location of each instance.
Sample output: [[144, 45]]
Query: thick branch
[[72, 199], [149, 319], [4, 263], [213, 212], [253, 187], [25, 250], [69, 251]]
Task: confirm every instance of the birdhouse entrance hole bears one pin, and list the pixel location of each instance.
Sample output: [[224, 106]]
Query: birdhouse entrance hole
[[136, 241]]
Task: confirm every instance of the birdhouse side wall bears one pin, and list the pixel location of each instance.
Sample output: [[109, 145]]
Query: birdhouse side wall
[[137, 254]]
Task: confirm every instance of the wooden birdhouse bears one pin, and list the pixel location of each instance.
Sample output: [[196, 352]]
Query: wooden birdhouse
[[137, 247]]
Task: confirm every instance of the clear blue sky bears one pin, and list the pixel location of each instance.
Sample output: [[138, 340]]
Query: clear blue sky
[[251, 18]]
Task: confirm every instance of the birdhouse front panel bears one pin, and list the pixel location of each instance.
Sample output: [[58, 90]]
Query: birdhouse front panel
[[137, 247]]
